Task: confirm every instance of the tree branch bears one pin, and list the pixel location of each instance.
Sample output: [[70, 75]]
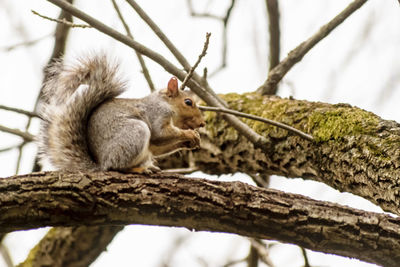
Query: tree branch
[[277, 73], [274, 32], [110, 198], [142, 63], [225, 21], [354, 150], [20, 111], [26, 136], [62, 21], [192, 69], [253, 117]]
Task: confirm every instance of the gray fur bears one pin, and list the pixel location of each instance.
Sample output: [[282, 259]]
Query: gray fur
[[65, 112], [116, 126], [85, 127]]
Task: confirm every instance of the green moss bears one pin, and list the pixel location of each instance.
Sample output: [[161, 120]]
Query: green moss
[[29, 261], [377, 152], [338, 122], [323, 121]]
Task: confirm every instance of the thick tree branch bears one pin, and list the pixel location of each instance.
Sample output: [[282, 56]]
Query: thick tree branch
[[355, 151], [276, 74], [67, 199]]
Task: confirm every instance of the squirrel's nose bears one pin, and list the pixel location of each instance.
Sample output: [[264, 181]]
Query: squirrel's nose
[[202, 124]]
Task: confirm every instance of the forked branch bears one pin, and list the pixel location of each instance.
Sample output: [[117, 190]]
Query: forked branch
[[277, 73]]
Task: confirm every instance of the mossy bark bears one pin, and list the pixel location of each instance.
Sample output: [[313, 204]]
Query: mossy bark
[[71, 246], [355, 151]]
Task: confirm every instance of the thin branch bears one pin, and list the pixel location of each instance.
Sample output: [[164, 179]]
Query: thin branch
[[304, 253], [19, 158], [142, 63], [10, 148], [224, 20], [26, 136], [193, 13], [173, 249], [21, 111], [253, 117], [277, 73], [274, 32], [172, 48], [63, 21], [206, 95], [26, 43], [60, 35], [261, 180], [234, 262], [203, 53], [181, 59], [252, 257], [262, 251]]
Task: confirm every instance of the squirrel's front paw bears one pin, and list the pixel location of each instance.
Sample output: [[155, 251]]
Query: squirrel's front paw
[[193, 141]]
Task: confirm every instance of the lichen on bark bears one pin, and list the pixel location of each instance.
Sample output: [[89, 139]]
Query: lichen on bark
[[355, 150]]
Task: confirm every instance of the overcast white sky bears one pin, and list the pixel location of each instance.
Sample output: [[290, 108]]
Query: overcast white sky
[[359, 64]]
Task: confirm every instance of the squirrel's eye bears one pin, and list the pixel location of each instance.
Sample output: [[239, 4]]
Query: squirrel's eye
[[188, 102]]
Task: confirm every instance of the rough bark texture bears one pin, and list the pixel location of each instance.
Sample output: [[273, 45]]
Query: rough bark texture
[[58, 199], [355, 151]]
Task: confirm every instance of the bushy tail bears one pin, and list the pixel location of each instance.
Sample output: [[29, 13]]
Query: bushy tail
[[69, 95]]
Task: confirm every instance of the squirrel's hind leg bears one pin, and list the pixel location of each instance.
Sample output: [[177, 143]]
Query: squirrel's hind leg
[[129, 149]]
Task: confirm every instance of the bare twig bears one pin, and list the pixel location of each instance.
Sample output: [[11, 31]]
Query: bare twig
[[63, 21], [207, 96], [262, 251], [25, 44], [172, 48], [252, 257], [177, 54], [25, 135], [225, 21], [203, 53], [274, 32], [21, 111], [173, 249], [10, 148], [234, 262], [142, 63], [306, 262], [260, 179], [277, 73], [253, 117]]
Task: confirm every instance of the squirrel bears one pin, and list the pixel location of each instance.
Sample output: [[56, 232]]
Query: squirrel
[[86, 127]]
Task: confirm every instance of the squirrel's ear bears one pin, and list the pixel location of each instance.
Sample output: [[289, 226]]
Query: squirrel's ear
[[172, 89]]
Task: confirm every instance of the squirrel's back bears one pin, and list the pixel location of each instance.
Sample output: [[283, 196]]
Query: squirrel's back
[[70, 94]]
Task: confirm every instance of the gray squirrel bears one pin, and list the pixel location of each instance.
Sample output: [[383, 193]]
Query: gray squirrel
[[86, 127]]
